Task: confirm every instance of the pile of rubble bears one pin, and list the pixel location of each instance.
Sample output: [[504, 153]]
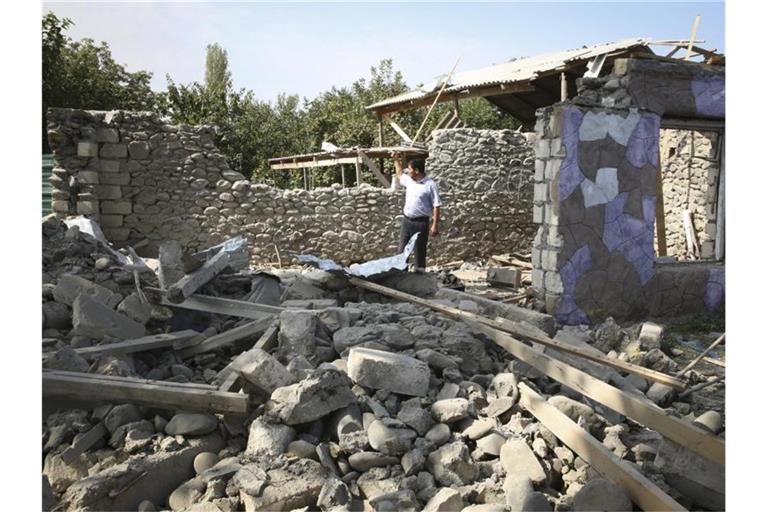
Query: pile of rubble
[[328, 396]]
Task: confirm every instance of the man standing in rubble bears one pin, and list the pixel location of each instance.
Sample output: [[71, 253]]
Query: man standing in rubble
[[422, 202]]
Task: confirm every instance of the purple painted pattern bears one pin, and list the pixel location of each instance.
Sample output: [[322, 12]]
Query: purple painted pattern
[[709, 94], [568, 312], [714, 295], [631, 236], [643, 144], [570, 173]]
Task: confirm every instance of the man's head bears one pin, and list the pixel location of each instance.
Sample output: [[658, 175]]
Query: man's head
[[417, 168]]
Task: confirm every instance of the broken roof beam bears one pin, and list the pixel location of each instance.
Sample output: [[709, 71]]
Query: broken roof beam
[[229, 337], [373, 168], [190, 283], [639, 488], [152, 393], [222, 306], [145, 343]]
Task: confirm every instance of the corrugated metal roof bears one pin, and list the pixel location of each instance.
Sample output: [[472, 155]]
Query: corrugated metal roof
[[524, 69]]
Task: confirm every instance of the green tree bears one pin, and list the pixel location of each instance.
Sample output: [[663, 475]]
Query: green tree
[[218, 79], [83, 74]]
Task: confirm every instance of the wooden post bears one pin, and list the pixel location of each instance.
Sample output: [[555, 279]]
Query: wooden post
[[190, 283], [720, 229], [456, 107], [358, 172], [563, 87], [343, 178], [661, 225], [694, 29], [381, 131]]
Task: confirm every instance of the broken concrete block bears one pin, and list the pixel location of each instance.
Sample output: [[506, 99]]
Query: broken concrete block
[[518, 459], [120, 415], [268, 439], [517, 487], [295, 485], [70, 286], [491, 444], [421, 284], [650, 336], [68, 360], [415, 416], [142, 477], [574, 410], [56, 315], [334, 493], [87, 149], [661, 394], [191, 424], [262, 370], [133, 308], [302, 289], [504, 276], [445, 500], [312, 398], [450, 410], [93, 319], [451, 465], [383, 370], [297, 333], [479, 428], [387, 438], [601, 494], [413, 462], [710, 420], [439, 434]]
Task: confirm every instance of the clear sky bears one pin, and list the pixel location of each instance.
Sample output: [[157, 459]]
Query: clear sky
[[305, 48]]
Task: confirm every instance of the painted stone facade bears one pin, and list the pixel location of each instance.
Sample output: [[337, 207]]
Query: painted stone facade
[[595, 201], [143, 178]]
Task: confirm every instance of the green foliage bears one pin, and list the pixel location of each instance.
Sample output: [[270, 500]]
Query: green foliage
[[83, 74]]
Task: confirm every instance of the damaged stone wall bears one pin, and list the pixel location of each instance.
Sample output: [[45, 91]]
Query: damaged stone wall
[[143, 178], [595, 197], [690, 170]]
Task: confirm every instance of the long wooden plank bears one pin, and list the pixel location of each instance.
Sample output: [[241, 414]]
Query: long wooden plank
[[521, 329], [227, 338], [374, 168], [86, 441], [95, 377], [682, 432], [268, 340], [139, 344], [221, 306], [640, 489], [83, 386], [190, 283], [399, 131], [699, 357]]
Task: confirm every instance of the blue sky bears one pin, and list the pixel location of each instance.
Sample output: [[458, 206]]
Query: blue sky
[[305, 48]]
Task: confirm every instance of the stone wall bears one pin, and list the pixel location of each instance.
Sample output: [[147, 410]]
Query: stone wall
[[145, 179], [690, 170], [597, 162]]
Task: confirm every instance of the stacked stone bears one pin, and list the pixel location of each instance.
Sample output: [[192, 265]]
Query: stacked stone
[[147, 180], [690, 170], [485, 179]]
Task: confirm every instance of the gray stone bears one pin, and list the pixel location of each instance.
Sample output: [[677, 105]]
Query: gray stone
[[262, 370], [389, 439], [696, 477], [348, 337], [439, 434], [268, 439], [449, 390], [191, 424], [436, 360], [491, 444], [650, 336], [133, 308], [302, 449], [445, 500], [186, 494], [413, 414], [334, 493], [601, 494], [120, 415], [574, 409], [517, 487], [451, 465], [56, 315], [536, 502], [504, 385], [113, 151], [363, 461], [69, 286], [146, 506], [204, 461], [393, 372], [478, 428], [661, 394], [421, 284], [67, 359], [401, 501], [413, 462], [138, 150], [450, 410], [710, 420], [93, 319], [312, 398], [250, 479], [297, 333], [518, 459], [289, 487]]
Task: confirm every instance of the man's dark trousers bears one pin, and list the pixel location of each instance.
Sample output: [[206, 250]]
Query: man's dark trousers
[[413, 225]]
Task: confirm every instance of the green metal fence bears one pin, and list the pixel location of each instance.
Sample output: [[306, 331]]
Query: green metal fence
[[47, 168]]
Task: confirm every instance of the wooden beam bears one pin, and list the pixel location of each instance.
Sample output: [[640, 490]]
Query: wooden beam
[[230, 381], [80, 446], [152, 393], [222, 306], [312, 164], [169, 259], [358, 172], [399, 131], [661, 225], [138, 345], [522, 329], [431, 107], [699, 357], [374, 169], [638, 409], [381, 130], [227, 338], [268, 340], [694, 30], [720, 215], [640, 489], [190, 283]]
